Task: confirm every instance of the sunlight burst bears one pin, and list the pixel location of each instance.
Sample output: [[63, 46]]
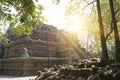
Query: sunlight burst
[[76, 27]]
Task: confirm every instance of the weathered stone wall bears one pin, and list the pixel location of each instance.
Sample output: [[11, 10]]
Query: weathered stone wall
[[43, 42], [45, 47], [28, 66], [38, 48], [1, 66], [2, 50]]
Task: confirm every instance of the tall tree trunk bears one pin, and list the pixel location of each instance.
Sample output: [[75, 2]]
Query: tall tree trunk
[[116, 34], [104, 57]]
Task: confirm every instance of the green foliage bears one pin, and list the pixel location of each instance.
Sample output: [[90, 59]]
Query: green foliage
[[111, 48], [22, 29], [21, 6], [87, 12], [3, 37], [38, 17], [118, 24], [26, 16], [88, 18]]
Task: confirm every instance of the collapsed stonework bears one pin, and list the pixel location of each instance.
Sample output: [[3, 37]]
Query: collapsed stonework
[[45, 47]]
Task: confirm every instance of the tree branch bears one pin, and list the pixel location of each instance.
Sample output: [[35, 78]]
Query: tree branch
[[89, 3], [117, 10], [109, 32], [14, 5]]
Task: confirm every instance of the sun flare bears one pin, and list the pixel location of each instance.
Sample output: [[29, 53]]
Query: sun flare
[[56, 16], [75, 27]]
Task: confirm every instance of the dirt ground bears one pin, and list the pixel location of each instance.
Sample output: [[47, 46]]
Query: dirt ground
[[4, 77]]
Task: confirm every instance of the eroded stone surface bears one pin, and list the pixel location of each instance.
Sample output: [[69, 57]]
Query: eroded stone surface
[[45, 47], [45, 41]]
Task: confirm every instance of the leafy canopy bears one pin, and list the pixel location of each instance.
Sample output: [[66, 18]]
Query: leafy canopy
[[21, 15]]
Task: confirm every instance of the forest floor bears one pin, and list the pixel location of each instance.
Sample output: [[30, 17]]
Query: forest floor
[[4, 77]]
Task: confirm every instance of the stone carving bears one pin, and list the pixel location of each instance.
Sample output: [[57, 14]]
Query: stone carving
[[25, 53]]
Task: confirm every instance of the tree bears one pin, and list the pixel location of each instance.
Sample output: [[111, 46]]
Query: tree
[[104, 57], [22, 7], [116, 34], [26, 15], [80, 7], [26, 27], [26, 12]]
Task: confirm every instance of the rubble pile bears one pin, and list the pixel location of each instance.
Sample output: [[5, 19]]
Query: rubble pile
[[85, 70]]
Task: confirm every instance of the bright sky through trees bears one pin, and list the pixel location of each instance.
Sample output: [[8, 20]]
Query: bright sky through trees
[[55, 15]]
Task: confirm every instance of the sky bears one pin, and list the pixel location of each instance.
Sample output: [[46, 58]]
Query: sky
[[54, 13]]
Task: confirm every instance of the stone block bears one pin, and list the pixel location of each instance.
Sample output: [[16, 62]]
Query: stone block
[[27, 66]]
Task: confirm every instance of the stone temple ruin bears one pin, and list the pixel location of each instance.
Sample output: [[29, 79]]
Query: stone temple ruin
[[45, 47]]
